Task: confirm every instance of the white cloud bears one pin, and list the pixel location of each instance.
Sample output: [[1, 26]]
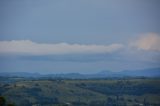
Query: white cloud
[[149, 41], [33, 48]]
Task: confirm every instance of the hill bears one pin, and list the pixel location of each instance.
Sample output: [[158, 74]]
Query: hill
[[113, 92]]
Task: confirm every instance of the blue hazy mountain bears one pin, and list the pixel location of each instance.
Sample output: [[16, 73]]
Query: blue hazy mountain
[[20, 74], [154, 72]]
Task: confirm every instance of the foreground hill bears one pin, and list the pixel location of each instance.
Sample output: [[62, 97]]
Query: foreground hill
[[111, 92]]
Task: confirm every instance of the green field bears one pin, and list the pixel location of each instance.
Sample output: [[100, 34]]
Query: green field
[[91, 92]]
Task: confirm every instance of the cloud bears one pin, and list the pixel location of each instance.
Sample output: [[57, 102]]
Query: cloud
[[28, 47], [150, 42]]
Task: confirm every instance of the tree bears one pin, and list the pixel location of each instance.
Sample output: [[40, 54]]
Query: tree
[[10, 104], [2, 101]]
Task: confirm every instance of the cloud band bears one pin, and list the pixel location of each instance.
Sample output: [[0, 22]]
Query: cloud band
[[33, 48]]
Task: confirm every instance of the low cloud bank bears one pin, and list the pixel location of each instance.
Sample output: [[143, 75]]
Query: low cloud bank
[[147, 42], [33, 48]]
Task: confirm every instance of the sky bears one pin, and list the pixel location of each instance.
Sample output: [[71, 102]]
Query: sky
[[79, 36]]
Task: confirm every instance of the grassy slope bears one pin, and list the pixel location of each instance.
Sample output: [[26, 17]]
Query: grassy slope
[[64, 91], [67, 91]]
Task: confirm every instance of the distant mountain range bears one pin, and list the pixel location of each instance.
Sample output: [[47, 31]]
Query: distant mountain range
[[154, 72]]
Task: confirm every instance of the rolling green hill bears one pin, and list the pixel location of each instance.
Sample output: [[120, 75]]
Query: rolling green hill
[[111, 92]]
